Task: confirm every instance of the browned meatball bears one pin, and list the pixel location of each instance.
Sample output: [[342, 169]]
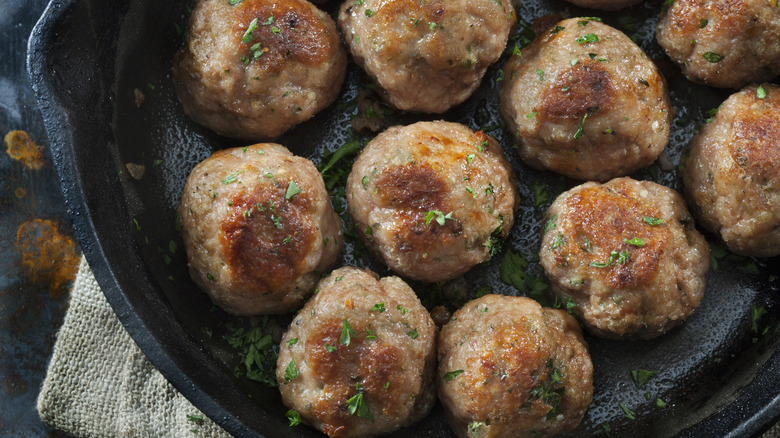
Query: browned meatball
[[432, 198], [255, 69], [509, 367], [627, 254], [258, 228], [732, 175], [586, 102], [605, 5], [426, 55], [359, 358], [723, 43]]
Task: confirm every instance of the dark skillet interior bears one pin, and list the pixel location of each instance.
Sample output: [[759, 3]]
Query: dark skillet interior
[[716, 372]]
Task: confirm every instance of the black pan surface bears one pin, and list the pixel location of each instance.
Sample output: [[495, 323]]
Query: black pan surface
[[716, 373]]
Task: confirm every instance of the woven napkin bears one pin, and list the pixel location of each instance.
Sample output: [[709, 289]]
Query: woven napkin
[[99, 384]]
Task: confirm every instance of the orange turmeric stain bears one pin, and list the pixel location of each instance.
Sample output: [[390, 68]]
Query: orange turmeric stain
[[22, 148], [48, 256]]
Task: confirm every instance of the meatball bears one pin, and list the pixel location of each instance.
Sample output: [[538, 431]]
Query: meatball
[[255, 69], [427, 56], [359, 358], [258, 228], [726, 44], [732, 175], [509, 367], [583, 100], [432, 199], [605, 5], [627, 254]]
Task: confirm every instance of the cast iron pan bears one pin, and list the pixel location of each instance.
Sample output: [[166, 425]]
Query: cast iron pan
[[717, 373]]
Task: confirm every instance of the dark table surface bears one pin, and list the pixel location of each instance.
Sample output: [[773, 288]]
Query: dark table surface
[[38, 257]]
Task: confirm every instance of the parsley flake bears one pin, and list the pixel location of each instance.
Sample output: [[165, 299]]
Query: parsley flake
[[588, 38], [452, 374], [652, 221], [712, 57], [438, 215], [357, 405], [378, 307], [292, 190], [635, 241], [294, 417], [346, 333], [760, 92], [291, 372]]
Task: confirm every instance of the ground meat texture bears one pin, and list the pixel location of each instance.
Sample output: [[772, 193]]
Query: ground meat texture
[[723, 43], [258, 228], [509, 367], [627, 255], [432, 199], [732, 175], [255, 69], [427, 56], [359, 358], [583, 100]]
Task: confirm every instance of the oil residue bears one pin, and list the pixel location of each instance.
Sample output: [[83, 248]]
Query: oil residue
[[22, 148], [48, 256]]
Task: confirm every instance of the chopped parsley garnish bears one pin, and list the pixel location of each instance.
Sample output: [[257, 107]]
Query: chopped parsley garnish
[[232, 177], [346, 333], [291, 372], [248, 36], [580, 128], [541, 196], [292, 190], [330, 348], [413, 333], [255, 349], [197, 419], [540, 73], [659, 403], [627, 412], [712, 57], [635, 242], [550, 224], [277, 221], [357, 405], [370, 334], [703, 23], [641, 377], [440, 217], [210, 277], [652, 221], [292, 342], [755, 315], [402, 309], [550, 391], [432, 25], [558, 241], [556, 29], [452, 374], [588, 38], [378, 307], [612, 256], [369, 13], [531, 115], [760, 92], [234, 2], [293, 416]]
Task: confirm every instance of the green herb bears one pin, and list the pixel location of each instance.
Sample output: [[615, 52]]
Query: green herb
[[248, 36], [277, 221], [356, 404], [641, 377], [331, 173], [292, 190], [432, 25], [606, 428], [513, 273], [549, 391], [232, 177], [255, 348], [292, 415], [346, 333], [760, 92], [378, 307], [712, 57], [550, 224], [438, 215], [541, 195], [588, 38], [556, 29], [402, 309], [369, 13], [755, 315], [468, 189], [635, 241], [330, 348], [580, 128], [540, 73], [234, 2], [612, 256], [197, 419], [210, 277], [558, 241], [652, 221], [627, 412], [292, 342], [452, 374], [703, 23], [364, 182], [660, 404], [413, 333], [291, 372], [531, 115], [623, 256], [370, 334]]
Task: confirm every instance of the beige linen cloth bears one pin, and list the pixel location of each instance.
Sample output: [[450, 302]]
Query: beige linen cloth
[[99, 384]]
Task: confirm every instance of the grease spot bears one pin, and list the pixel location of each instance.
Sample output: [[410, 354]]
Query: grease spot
[[22, 148], [20, 192], [48, 256]]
